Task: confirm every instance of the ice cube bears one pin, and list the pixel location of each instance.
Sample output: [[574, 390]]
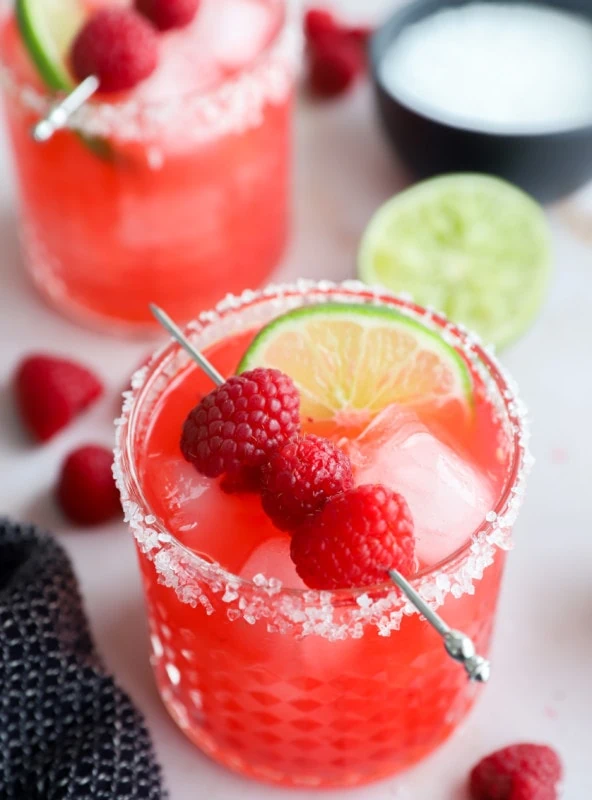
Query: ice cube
[[220, 527], [447, 494], [236, 30], [185, 67], [272, 559]]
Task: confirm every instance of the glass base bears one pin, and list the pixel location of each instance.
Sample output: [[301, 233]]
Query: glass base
[[58, 300], [45, 277], [226, 758]]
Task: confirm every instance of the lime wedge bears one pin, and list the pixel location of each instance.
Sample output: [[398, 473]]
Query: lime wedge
[[48, 28], [350, 361], [472, 246]]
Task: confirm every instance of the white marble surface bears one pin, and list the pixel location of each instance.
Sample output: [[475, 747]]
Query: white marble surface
[[541, 685]]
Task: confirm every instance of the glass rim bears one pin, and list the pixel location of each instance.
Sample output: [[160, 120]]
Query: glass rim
[[97, 117], [494, 531]]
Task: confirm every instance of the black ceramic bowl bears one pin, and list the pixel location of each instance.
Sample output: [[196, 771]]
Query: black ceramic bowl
[[548, 165]]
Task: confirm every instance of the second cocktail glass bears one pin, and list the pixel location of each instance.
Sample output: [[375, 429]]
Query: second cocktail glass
[[184, 194]]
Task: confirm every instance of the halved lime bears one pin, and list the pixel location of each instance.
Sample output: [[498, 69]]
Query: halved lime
[[350, 361], [48, 28], [472, 246]]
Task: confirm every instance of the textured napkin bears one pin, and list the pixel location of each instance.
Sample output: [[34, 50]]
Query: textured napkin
[[67, 731]]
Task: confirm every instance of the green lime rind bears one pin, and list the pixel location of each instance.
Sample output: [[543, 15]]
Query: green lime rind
[[366, 315], [473, 246], [38, 21], [48, 28]]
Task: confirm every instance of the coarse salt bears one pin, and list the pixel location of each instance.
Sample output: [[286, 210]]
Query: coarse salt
[[495, 66]]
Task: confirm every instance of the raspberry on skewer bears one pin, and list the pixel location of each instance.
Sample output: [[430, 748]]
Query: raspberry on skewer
[[301, 477], [116, 45], [390, 516], [116, 49], [242, 422], [355, 539], [168, 14]]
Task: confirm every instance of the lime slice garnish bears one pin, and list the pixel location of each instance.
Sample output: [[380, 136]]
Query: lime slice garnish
[[472, 246], [350, 361], [48, 28]]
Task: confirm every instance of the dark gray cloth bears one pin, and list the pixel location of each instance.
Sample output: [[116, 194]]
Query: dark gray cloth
[[67, 731]]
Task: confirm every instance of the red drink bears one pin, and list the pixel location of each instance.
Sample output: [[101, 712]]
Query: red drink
[[296, 686], [164, 209]]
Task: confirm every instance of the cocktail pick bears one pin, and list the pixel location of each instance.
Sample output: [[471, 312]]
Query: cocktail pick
[[177, 334], [59, 114], [458, 645]]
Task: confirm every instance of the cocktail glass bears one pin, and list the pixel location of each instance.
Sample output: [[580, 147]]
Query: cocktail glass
[[311, 688], [177, 201]]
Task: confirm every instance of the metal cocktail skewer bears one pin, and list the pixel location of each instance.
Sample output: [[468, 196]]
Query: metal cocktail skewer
[[177, 334], [458, 645], [59, 114]]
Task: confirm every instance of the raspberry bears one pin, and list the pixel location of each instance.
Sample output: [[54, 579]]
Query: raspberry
[[531, 789], [355, 539], [118, 46], [335, 63], [51, 391], [318, 21], [241, 423], [167, 14], [360, 34], [86, 490], [301, 477], [518, 772]]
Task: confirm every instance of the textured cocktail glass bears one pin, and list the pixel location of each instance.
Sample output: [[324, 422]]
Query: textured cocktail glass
[[303, 687], [179, 202]]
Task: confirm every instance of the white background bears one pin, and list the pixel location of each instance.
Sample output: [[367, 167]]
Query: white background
[[542, 657]]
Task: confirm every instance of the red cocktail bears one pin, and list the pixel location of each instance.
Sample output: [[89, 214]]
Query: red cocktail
[[305, 687], [182, 195]]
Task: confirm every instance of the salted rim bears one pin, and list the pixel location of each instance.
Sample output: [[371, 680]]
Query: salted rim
[[380, 604], [202, 115]]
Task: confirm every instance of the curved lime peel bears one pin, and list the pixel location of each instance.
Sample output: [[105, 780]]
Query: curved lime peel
[[336, 386], [48, 28]]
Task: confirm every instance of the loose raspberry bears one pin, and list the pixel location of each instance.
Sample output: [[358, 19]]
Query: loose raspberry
[[51, 391], [167, 14], [531, 789], [319, 21], [301, 477], [241, 423], [518, 772], [360, 34], [335, 63], [355, 539], [86, 490], [118, 46]]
